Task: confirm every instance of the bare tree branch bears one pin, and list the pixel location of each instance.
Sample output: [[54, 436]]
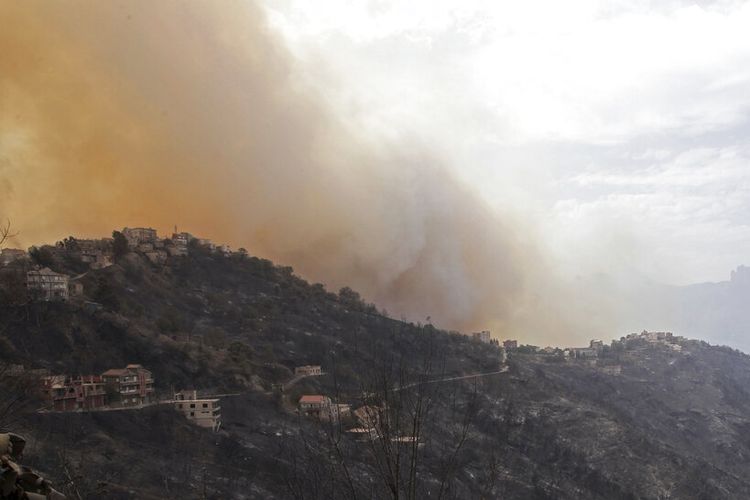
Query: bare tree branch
[[5, 232]]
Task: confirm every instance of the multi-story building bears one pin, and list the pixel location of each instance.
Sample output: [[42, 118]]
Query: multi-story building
[[64, 393], [46, 284], [180, 243], [134, 384], [483, 336], [204, 412], [510, 344], [138, 235]]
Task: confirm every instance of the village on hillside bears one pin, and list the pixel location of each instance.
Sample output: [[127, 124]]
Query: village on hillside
[[133, 387], [42, 283]]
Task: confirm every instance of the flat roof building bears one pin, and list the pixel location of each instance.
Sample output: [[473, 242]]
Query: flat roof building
[[204, 412]]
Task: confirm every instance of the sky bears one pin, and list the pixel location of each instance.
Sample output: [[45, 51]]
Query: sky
[[619, 128]]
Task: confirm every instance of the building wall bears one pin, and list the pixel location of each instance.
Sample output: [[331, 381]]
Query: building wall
[[202, 412], [48, 284], [308, 370], [134, 386]]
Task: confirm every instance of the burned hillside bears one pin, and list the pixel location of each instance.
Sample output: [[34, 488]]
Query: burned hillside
[[641, 419]]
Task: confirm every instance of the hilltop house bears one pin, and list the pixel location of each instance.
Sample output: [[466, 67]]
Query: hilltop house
[[63, 393], [483, 336], [204, 412], [133, 384], [510, 344], [657, 336], [139, 235], [96, 253], [47, 284], [583, 352], [180, 243]]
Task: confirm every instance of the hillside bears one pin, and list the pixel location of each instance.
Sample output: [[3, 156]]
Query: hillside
[[643, 420]]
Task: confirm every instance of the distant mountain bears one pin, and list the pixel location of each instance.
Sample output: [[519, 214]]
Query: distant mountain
[[719, 312], [716, 312]]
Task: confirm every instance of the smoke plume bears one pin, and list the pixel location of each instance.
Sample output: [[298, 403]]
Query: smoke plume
[[192, 113]]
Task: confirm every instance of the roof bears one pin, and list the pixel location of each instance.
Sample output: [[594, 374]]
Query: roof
[[115, 372], [314, 399], [45, 272]]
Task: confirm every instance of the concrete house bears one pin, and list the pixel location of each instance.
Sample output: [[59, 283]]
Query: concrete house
[[204, 412], [180, 243], [510, 344], [483, 336], [318, 406], [63, 393], [138, 235], [134, 384], [47, 284]]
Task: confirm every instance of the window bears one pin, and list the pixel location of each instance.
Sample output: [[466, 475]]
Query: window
[[179, 406], [192, 413], [205, 405]]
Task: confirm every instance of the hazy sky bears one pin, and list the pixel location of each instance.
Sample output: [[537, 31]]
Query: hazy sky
[[618, 128]]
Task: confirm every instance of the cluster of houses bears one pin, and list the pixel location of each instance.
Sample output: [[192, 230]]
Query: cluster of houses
[[118, 387], [323, 408], [596, 346], [664, 338], [485, 336], [316, 405], [368, 419], [45, 284], [157, 250], [129, 387]]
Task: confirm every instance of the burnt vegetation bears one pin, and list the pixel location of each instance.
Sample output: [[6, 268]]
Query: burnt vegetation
[[667, 424]]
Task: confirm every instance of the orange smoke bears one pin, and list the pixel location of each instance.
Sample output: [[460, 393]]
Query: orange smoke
[[191, 113]]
